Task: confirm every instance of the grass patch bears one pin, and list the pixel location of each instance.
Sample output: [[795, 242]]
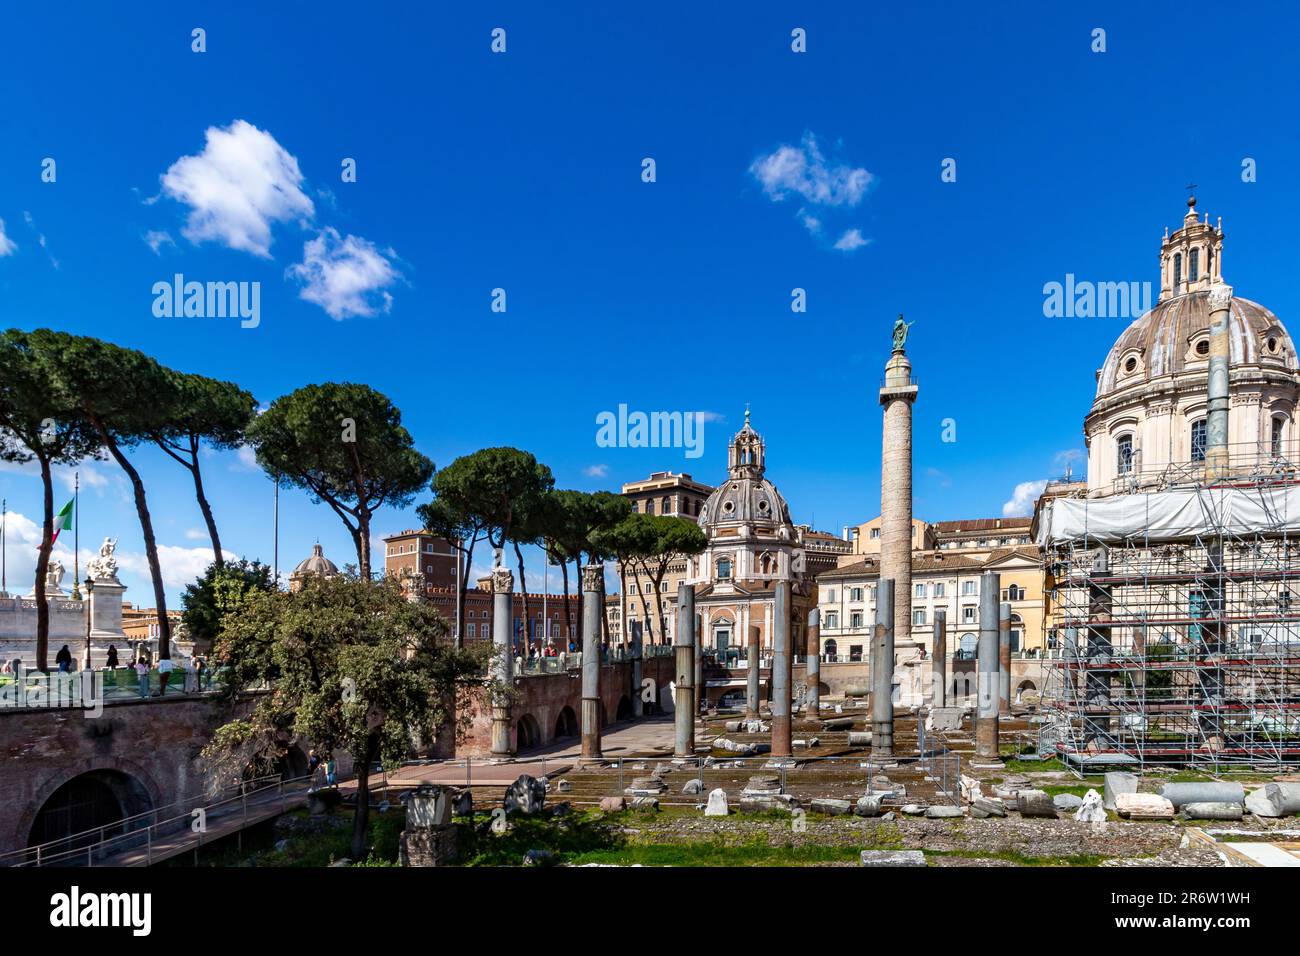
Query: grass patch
[[303, 849], [1034, 766], [715, 852], [1021, 859]]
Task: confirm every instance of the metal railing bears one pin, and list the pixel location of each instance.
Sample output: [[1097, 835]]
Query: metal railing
[[143, 829]]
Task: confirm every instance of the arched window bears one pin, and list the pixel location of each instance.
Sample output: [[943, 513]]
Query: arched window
[[1193, 260], [666, 505], [1198, 440], [830, 649], [649, 506], [1178, 271], [1275, 440], [1124, 454]]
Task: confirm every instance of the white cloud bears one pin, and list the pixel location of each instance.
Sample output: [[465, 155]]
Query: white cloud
[[65, 475], [852, 239], [155, 239], [240, 184], [803, 171], [344, 276], [810, 222], [7, 246], [1023, 498], [245, 459], [596, 471], [195, 534], [180, 566]]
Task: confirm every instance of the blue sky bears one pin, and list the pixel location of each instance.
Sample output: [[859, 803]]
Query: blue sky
[[522, 171]]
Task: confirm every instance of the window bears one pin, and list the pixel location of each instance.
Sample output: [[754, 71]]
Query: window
[[830, 596], [1275, 443], [875, 532], [428, 549], [648, 589], [1178, 271], [920, 590], [665, 505], [855, 619], [1013, 593], [832, 619], [918, 617], [855, 652], [663, 586], [938, 589], [1193, 261], [829, 649], [634, 506], [724, 568], [649, 506], [855, 594], [968, 588], [428, 569], [1124, 454], [968, 615], [1198, 440]]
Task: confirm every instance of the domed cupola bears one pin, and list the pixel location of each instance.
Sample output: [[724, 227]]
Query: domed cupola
[[1149, 419], [746, 497]]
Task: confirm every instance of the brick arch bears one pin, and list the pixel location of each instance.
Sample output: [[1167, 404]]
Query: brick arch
[[157, 796]]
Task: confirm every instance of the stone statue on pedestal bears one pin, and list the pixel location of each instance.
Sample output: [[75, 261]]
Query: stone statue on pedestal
[[104, 565]]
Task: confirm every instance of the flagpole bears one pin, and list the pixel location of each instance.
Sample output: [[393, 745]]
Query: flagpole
[[4, 547], [275, 537], [76, 535]]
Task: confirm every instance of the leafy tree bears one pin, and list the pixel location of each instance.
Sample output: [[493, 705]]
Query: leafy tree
[[500, 489], [355, 666], [346, 446], [204, 410], [221, 589], [122, 395], [577, 517], [648, 544], [462, 532], [35, 424]]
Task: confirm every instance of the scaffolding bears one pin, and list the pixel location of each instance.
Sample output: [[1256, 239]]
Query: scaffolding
[[1179, 647]]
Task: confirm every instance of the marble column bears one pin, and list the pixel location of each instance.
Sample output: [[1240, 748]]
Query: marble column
[[638, 707], [684, 652], [1004, 659], [939, 661], [781, 671], [503, 660], [1216, 409], [882, 673], [986, 687], [591, 663], [814, 669], [752, 673]]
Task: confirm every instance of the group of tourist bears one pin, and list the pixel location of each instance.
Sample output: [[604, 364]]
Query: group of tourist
[[196, 674]]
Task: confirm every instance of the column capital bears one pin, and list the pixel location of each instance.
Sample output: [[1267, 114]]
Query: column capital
[[503, 581]]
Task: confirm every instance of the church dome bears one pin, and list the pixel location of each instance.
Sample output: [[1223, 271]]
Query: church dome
[[317, 563], [1174, 337], [746, 497]]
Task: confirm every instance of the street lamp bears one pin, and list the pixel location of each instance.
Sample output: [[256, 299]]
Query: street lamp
[[90, 587]]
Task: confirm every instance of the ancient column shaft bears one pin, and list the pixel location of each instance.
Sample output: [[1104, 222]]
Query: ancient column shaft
[[814, 669], [684, 652], [781, 670], [988, 680], [591, 663], [1004, 659], [752, 673], [1216, 415], [634, 632], [503, 659], [896, 543], [882, 672], [939, 661]]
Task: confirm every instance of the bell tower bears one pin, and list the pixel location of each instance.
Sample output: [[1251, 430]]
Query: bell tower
[[745, 458]]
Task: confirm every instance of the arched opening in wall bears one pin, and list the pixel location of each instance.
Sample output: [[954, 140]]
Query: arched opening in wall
[[1026, 687], [566, 725], [624, 708], [293, 764], [528, 733], [88, 809]]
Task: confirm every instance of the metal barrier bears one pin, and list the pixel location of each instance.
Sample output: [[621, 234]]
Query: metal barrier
[[268, 790]]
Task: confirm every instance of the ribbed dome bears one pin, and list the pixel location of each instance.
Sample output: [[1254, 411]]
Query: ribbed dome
[[317, 564], [753, 501], [1173, 338]]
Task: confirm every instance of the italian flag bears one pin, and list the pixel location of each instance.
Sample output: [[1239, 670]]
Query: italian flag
[[62, 520]]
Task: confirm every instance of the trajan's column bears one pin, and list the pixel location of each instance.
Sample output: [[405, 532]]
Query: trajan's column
[[896, 483]]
